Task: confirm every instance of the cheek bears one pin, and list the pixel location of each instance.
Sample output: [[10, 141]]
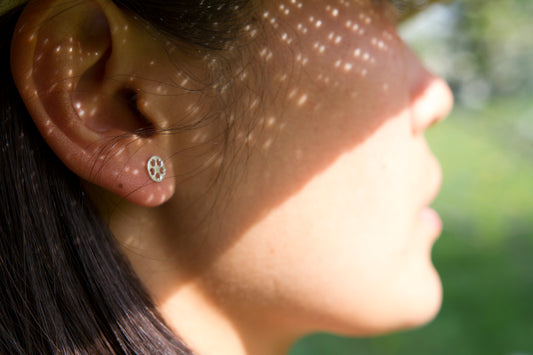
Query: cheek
[[341, 241]]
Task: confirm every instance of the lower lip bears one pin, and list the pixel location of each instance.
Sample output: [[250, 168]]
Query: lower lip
[[432, 218]]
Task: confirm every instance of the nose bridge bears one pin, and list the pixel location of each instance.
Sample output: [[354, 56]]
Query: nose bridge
[[431, 101]]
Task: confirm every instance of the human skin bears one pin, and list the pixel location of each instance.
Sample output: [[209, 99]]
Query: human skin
[[314, 218]]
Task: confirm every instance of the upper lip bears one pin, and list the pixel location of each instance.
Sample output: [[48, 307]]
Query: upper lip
[[434, 184]]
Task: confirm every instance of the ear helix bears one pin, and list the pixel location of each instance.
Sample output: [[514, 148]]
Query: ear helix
[[156, 168]]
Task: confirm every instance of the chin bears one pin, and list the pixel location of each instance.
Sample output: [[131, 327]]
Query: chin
[[421, 307], [411, 307]]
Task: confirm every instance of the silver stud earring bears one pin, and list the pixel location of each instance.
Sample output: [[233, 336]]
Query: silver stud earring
[[156, 168]]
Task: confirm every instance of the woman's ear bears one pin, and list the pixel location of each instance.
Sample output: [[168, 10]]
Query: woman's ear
[[79, 66]]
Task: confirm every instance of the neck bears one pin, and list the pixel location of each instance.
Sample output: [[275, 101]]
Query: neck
[[209, 330]]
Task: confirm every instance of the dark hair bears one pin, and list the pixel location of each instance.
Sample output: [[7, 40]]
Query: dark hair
[[65, 287]]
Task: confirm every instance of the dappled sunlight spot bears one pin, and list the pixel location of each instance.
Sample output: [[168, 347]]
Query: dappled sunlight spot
[[292, 94], [135, 172], [301, 28], [271, 121], [150, 198], [162, 198], [365, 18], [268, 143], [283, 77], [199, 137], [348, 67], [302, 100], [120, 151], [184, 82], [284, 10], [192, 109], [254, 103]]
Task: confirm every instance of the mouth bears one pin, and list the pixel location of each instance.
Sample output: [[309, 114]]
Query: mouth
[[428, 214]]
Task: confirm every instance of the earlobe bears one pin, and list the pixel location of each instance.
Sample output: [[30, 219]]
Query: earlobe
[[74, 70]]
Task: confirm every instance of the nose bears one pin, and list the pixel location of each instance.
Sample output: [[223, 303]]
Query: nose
[[431, 103]]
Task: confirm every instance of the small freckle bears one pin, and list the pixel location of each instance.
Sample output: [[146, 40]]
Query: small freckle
[[120, 186]]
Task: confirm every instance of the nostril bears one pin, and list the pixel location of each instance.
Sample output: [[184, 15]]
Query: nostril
[[431, 104]]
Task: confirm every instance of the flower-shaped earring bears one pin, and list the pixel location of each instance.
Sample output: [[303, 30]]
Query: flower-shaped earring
[[156, 168]]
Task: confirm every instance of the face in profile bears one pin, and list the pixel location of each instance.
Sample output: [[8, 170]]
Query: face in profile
[[325, 224], [297, 177], [314, 215]]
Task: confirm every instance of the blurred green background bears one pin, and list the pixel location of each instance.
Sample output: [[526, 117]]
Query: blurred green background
[[484, 48]]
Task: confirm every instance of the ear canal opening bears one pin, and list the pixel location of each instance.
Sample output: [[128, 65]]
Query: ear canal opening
[[145, 127]]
